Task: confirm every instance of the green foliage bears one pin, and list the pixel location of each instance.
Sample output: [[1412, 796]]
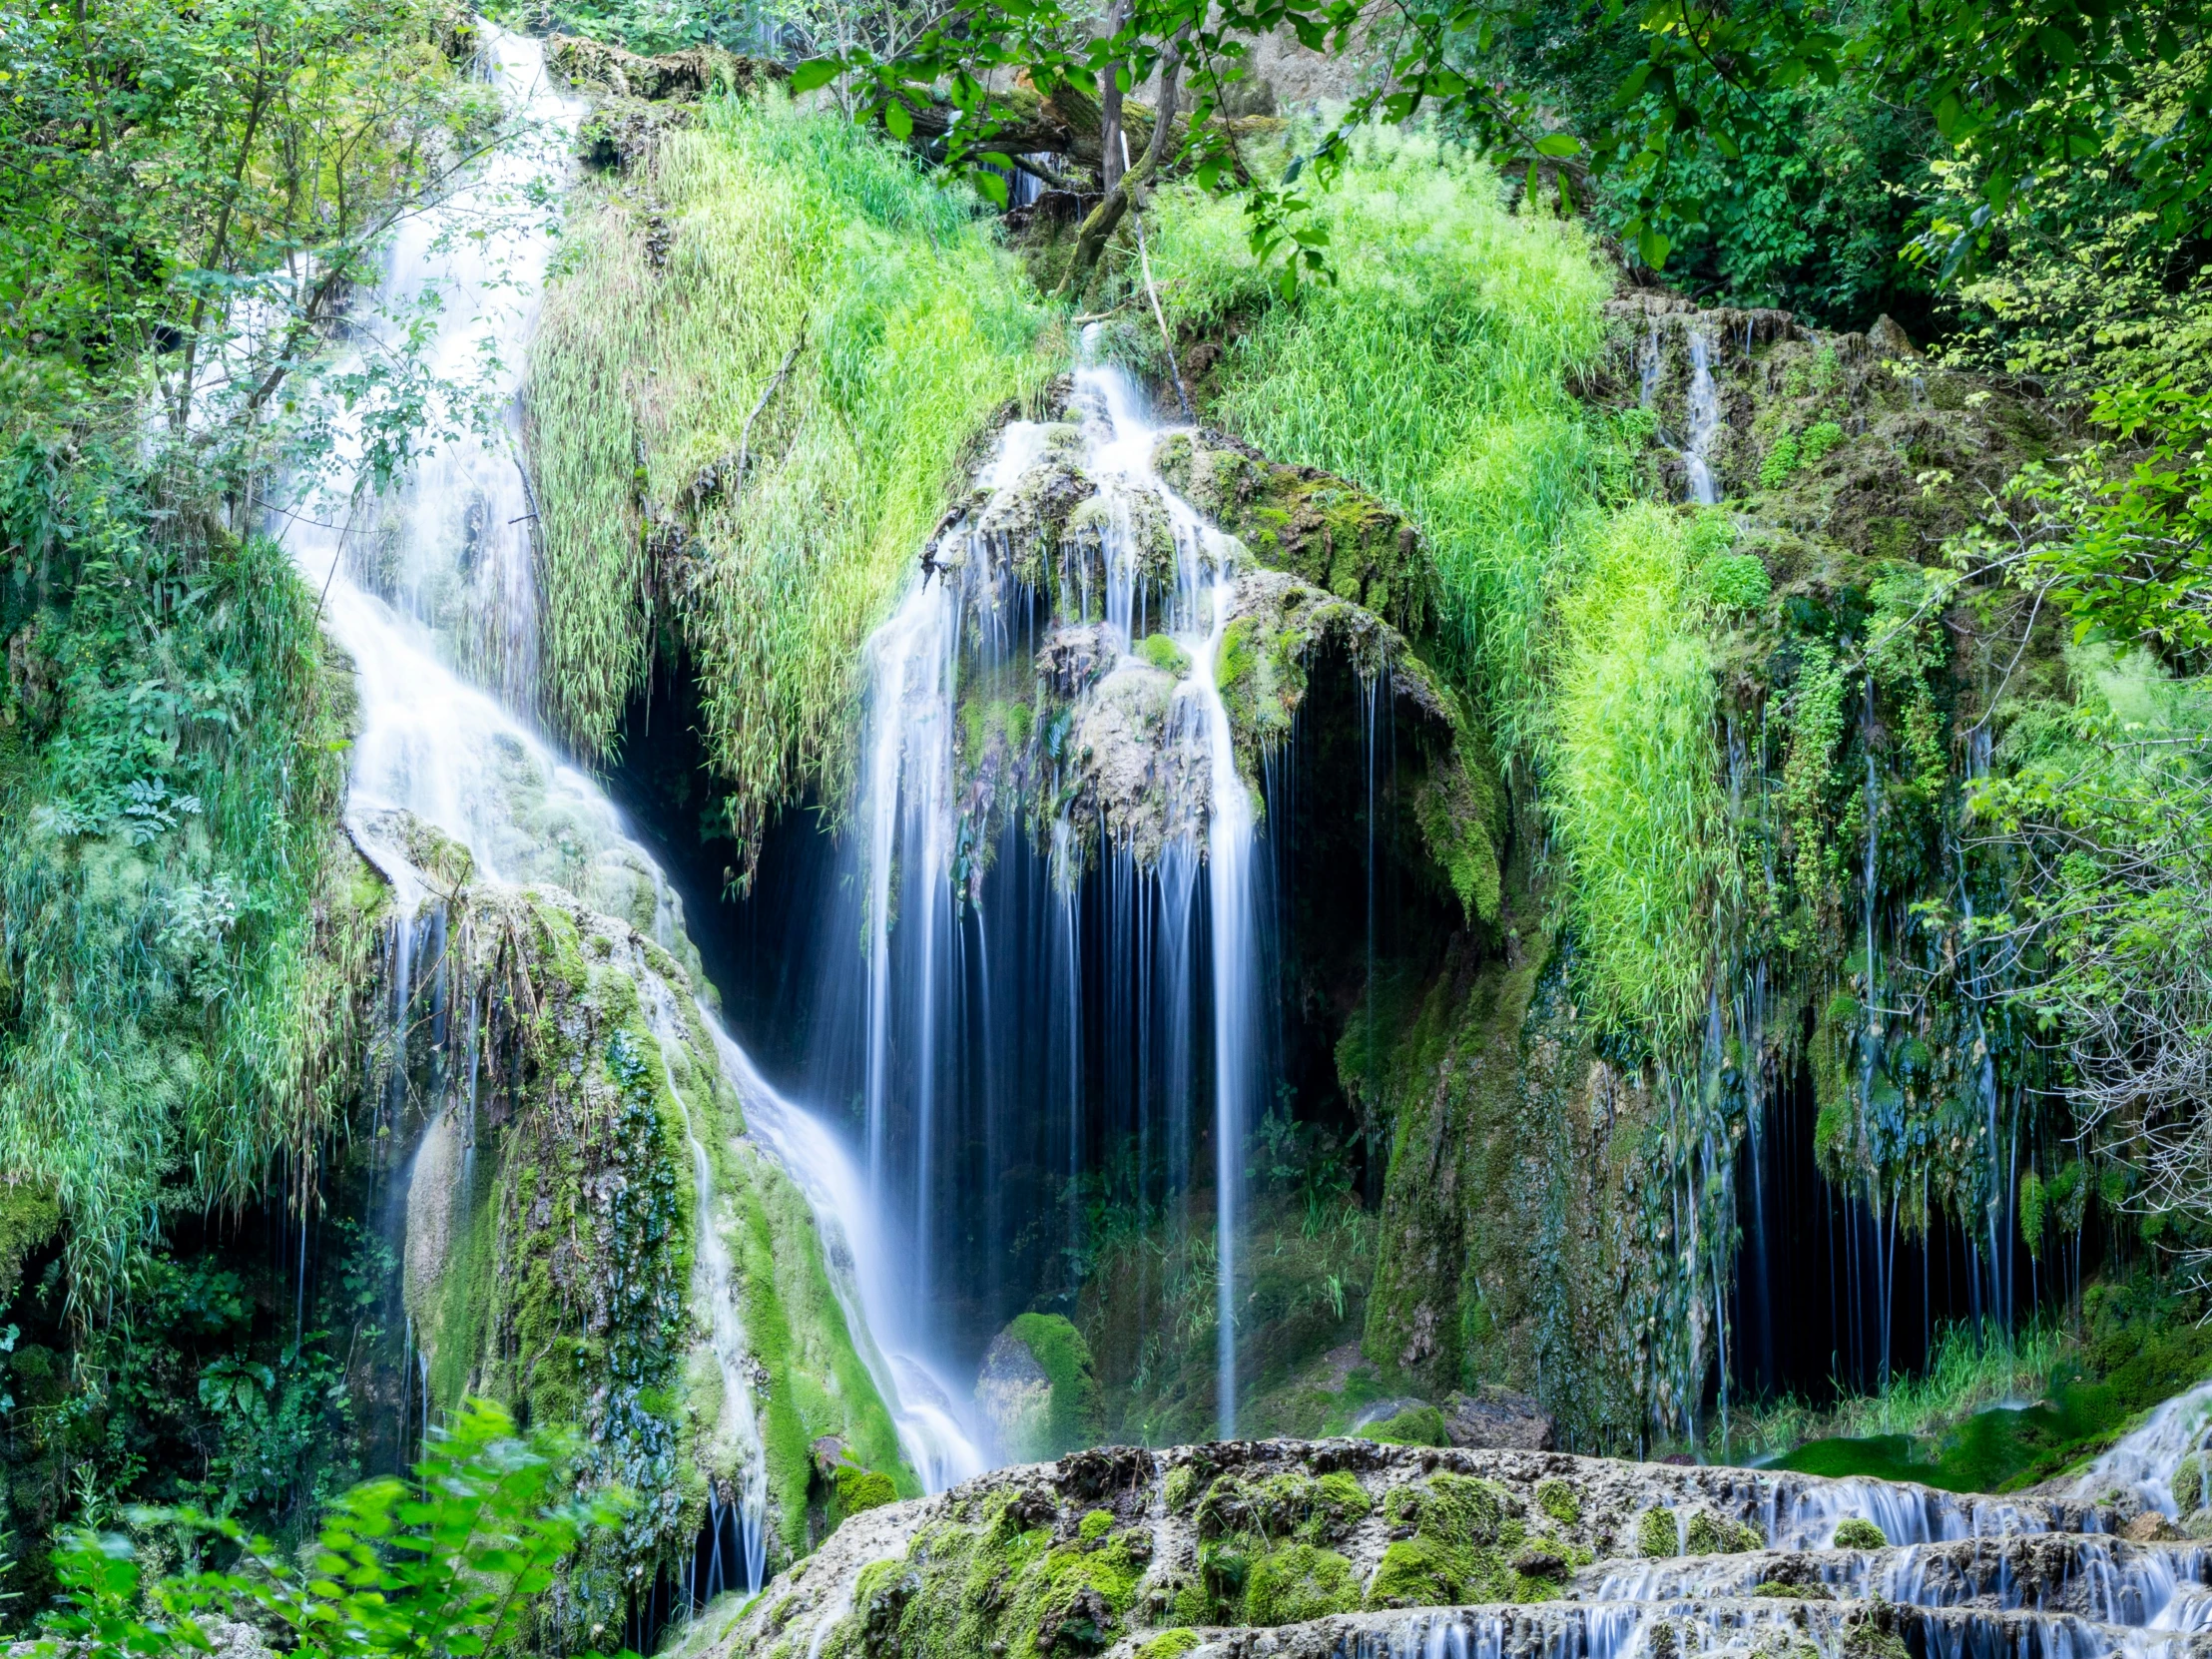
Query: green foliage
[[802, 375], [193, 193], [1737, 581], [2123, 536], [1819, 439], [2140, 1344], [1634, 774], [171, 768], [1857, 1532], [1429, 372], [454, 1564]]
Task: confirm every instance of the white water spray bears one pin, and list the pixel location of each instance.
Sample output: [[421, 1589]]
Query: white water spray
[[430, 592], [922, 928]]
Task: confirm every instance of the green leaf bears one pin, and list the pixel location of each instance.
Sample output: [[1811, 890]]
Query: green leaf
[[898, 119], [1654, 247], [2058, 44], [1559, 144], [815, 72]]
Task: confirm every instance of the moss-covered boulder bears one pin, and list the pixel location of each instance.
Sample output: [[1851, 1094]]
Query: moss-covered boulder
[[1035, 1392]]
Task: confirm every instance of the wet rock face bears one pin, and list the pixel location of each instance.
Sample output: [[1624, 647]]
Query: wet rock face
[[1349, 1547], [1013, 1393], [1072, 726], [1497, 1418]]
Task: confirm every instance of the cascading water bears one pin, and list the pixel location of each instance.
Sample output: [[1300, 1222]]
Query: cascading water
[[980, 1039], [2145, 1463], [1704, 420], [429, 590]]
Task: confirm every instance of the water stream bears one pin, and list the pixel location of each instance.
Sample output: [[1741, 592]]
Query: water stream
[[429, 589], [980, 1032]]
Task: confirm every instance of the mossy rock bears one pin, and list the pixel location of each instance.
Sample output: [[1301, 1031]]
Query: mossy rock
[[1037, 1389], [1417, 1426], [1860, 1533], [859, 1490], [1658, 1534], [1310, 523], [1318, 1509], [1295, 1583]]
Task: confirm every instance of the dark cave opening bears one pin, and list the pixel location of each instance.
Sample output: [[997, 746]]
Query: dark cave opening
[[1831, 1298], [1048, 1115]]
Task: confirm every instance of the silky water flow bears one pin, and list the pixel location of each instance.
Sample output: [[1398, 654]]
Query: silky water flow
[[986, 1046], [429, 589]]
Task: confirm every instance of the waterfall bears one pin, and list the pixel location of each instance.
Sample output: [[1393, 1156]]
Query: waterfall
[[1704, 416], [2145, 1462], [429, 589], [982, 1048]]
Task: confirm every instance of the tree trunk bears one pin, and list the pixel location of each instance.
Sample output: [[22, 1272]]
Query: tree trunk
[[1105, 219]]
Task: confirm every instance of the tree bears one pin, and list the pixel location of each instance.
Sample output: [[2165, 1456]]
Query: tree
[[2020, 91]]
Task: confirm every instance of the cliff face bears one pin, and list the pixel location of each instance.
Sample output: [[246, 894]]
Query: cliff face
[[1568, 1188]]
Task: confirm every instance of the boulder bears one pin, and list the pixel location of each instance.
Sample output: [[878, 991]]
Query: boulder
[[1498, 1420], [1035, 1393]]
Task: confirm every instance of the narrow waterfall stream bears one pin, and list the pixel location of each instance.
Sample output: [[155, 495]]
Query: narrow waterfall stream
[[430, 592], [963, 961]]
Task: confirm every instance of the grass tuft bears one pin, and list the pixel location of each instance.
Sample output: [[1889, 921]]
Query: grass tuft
[[787, 292]]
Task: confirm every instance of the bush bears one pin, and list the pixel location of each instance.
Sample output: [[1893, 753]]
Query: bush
[[1860, 1533], [455, 1562]]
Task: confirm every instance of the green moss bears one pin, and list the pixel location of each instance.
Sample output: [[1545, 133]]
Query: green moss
[[1417, 1572], [1296, 1582], [1181, 1486], [1558, 1499], [1169, 1644], [1776, 1588], [1065, 1358], [1465, 1535], [1321, 1509], [1164, 654], [1860, 1533], [1421, 1426], [1459, 808], [30, 1215], [1710, 1534], [2189, 1485], [1658, 1534], [1095, 1526], [966, 1588], [859, 1490]]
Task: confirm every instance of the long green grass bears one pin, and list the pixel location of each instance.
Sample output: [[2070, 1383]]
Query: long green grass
[[174, 957], [1434, 369], [1632, 769], [1969, 1370], [861, 316]]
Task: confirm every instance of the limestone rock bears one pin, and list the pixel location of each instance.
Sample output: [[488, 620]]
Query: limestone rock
[[1344, 1546], [2151, 1527], [1497, 1418], [1013, 1396]]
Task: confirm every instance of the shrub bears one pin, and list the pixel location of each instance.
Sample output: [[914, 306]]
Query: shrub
[[1860, 1533]]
